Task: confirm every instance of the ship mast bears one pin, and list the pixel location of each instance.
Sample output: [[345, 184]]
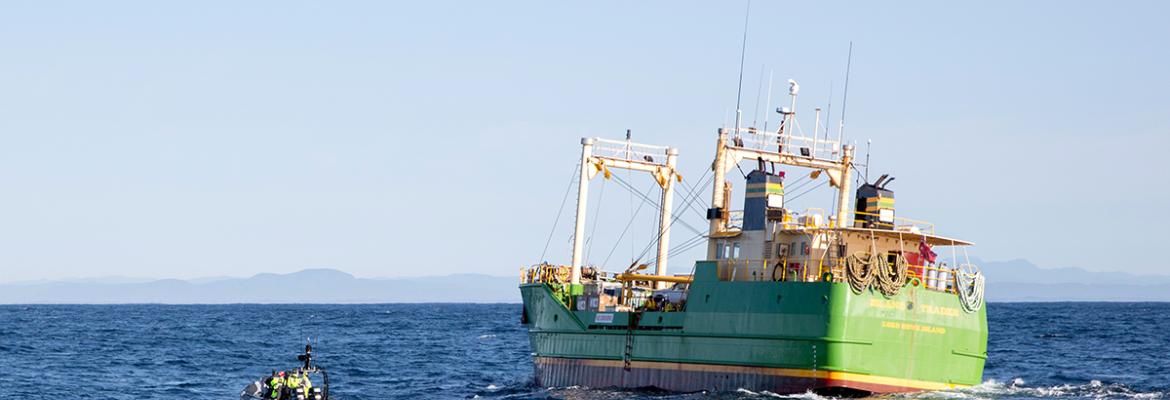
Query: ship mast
[[786, 146], [598, 156]]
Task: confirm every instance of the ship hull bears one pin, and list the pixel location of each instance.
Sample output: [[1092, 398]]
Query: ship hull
[[782, 337], [690, 377]]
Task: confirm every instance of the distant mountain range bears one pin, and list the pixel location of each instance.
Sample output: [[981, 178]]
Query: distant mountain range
[[308, 286], [1020, 280], [1016, 280]]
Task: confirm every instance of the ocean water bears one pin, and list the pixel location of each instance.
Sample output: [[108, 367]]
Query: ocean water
[[451, 351]]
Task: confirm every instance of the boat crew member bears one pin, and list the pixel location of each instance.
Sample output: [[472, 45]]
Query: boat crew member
[[293, 382], [307, 384], [275, 384]]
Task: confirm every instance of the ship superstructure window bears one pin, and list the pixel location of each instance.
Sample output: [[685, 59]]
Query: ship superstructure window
[[735, 251]]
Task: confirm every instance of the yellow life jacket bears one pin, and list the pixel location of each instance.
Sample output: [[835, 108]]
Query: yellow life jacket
[[293, 382]]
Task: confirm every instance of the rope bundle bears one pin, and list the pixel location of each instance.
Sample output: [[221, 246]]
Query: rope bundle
[[860, 271], [864, 270], [971, 283], [891, 278]]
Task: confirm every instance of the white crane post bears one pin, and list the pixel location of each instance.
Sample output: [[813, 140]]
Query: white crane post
[[717, 191], [843, 191], [582, 194], [665, 219]]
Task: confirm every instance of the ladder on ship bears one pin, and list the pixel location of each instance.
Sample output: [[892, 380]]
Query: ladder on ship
[[632, 324]]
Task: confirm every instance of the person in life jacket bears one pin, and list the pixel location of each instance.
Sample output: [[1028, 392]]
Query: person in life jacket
[[275, 384], [293, 382], [307, 384]]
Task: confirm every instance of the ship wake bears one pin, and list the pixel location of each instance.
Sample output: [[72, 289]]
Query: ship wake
[[1019, 389]]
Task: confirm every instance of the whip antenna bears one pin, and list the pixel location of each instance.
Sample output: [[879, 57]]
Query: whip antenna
[[768, 106], [845, 97], [829, 116], [742, 53], [759, 91]]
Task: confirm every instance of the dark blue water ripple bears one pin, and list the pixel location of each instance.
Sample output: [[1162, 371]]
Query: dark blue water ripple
[[396, 351]]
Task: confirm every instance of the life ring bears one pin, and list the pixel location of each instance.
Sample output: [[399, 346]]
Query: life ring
[[827, 277], [915, 282], [775, 269]]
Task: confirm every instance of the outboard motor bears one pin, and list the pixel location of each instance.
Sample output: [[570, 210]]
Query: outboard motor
[[875, 205]]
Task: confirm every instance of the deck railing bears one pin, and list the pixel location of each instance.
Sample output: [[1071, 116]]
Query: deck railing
[[544, 273], [790, 143], [902, 224], [797, 269], [629, 151]]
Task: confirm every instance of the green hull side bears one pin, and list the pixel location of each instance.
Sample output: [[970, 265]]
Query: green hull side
[[915, 340]]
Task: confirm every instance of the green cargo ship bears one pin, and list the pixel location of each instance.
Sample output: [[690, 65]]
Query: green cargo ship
[[854, 301]]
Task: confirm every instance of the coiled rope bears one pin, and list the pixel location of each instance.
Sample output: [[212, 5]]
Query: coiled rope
[[971, 283], [864, 270], [891, 277], [859, 271]]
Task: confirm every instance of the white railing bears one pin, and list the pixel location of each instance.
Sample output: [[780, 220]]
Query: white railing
[[790, 144], [630, 151]]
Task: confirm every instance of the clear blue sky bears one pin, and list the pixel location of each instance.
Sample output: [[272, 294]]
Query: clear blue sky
[[166, 139]]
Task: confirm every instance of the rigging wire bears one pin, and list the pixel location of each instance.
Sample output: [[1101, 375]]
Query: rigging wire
[[572, 179], [691, 189], [740, 170], [684, 246], [647, 199], [668, 226], [693, 195], [626, 229], [802, 184], [796, 183], [805, 192]]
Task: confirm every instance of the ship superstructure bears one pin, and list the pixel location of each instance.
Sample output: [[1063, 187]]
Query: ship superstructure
[[842, 299]]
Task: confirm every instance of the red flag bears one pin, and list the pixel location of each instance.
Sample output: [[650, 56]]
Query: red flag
[[925, 252]]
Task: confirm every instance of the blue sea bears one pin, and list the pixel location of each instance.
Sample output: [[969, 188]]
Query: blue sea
[[453, 351]]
